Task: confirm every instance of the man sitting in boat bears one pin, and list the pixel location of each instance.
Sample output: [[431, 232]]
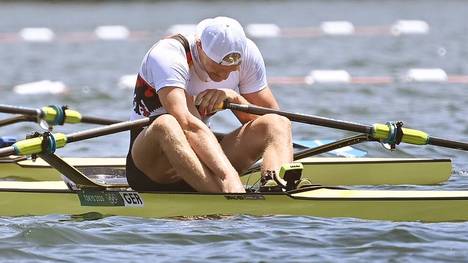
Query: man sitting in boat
[[181, 82]]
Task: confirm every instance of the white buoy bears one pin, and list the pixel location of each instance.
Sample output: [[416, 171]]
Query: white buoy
[[410, 27], [337, 28], [329, 76], [115, 32], [426, 75], [37, 34], [263, 30], [127, 81], [309, 79], [40, 87], [184, 29]]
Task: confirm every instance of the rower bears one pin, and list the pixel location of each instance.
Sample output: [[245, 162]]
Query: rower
[[178, 151]]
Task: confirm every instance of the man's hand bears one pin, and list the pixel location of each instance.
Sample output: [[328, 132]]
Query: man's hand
[[210, 100]]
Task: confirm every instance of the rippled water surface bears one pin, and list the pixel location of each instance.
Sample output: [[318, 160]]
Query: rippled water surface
[[236, 239], [91, 70]]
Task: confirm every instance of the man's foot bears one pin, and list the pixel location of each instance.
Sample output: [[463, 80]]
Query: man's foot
[[268, 184], [289, 178]]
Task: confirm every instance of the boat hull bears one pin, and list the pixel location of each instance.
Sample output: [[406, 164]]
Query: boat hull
[[323, 171], [44, 198]]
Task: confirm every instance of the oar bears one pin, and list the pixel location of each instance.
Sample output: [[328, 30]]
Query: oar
[[381, 132], [53, 115], [59, 140]]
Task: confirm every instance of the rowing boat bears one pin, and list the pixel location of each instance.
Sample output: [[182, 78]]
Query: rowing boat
[[319, 170], [87, 196]]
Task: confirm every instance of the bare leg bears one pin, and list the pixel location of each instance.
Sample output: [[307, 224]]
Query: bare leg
[[268, 136], [162, 152]]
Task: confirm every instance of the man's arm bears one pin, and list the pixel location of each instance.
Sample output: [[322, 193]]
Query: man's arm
[[180, 105]]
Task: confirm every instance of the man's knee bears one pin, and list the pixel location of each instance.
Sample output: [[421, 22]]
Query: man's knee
[[164, 125], [273, 124]]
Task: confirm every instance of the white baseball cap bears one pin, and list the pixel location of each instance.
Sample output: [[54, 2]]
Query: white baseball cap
[[223, 40]]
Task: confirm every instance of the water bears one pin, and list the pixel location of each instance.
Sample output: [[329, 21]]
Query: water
[[233, 239], [91, 70]]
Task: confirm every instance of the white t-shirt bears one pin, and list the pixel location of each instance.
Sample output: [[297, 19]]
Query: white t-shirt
[[165, 64]]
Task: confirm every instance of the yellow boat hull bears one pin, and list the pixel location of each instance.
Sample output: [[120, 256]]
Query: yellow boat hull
[[43, 198], [323, 171]]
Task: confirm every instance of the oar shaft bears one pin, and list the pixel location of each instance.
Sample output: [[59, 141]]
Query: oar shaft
[[96, 120], [382, 132], [39, 113], [19, 110], [111, 129], [448, 143], [34, 145], [304, 118], [16, 119], [5, 151]]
